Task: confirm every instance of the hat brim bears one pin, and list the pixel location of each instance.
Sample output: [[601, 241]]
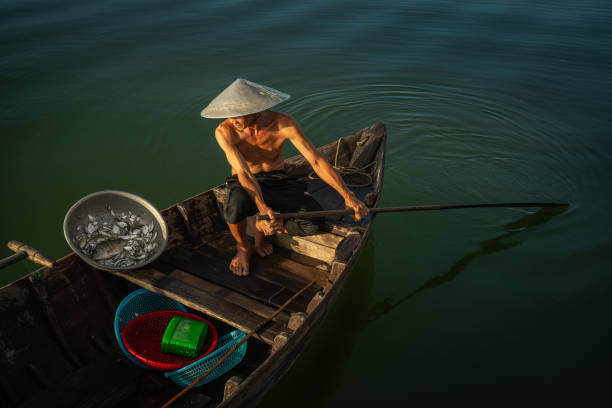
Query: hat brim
[[242, 98]]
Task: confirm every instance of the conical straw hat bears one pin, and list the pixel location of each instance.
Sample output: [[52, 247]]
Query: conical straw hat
[[241, 98]]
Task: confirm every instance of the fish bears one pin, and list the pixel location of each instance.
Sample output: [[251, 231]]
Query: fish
[[124, 241], [107, 250]]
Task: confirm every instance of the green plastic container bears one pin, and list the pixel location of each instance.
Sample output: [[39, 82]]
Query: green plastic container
[[184, 337]]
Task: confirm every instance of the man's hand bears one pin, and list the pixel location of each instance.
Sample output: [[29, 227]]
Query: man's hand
[[359, 209], [269, 227]]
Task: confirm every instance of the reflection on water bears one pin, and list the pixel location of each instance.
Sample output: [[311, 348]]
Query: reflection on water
[[488, 246]]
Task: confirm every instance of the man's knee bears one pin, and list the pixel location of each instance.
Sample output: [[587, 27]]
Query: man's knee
[[238, 205]]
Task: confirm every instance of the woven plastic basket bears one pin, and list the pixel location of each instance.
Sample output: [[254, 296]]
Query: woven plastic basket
[[135, 304], [186, 375], [143, 337]]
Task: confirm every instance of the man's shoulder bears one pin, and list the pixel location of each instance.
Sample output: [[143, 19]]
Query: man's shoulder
[[224, 128], [225, 125], [224, 131], [282, 120]]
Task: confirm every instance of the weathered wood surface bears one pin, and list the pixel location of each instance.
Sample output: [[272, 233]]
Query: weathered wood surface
[[207, 263], [230, 386], [336, 270], [325, 239], [347, 247], [203, 215], [288, 272], [54, 321], [191, 234], [33, 254], [304, 246], [315, 301], [296, 320], [257, 307], [175, 285], [279, 341], [293, 263], [302, 259], [225, 243]]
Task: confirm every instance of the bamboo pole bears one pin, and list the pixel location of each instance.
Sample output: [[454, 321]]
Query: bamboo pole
[[375, 210]]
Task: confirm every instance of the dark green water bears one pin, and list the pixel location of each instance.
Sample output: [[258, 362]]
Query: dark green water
[[483, 101]]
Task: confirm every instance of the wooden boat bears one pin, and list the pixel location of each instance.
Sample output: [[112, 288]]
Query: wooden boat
[[57, 346]]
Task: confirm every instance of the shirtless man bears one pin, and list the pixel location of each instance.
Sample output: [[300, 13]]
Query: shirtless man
[[252, 138]]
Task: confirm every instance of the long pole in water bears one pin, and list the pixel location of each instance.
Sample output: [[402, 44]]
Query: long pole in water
[[252, 332], [375, 210]]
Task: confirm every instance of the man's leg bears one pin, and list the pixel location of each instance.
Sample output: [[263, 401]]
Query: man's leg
[[238, 206], [240, 263], [263, 246]]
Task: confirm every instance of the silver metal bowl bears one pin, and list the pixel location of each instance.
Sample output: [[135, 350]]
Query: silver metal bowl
[[97, 204]]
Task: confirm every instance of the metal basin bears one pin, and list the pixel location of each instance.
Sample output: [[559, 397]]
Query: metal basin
[[97, 204]]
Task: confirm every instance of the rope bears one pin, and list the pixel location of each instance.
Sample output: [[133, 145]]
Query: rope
[[348, 170]]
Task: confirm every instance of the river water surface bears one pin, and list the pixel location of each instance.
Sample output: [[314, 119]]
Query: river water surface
[[484, 101]]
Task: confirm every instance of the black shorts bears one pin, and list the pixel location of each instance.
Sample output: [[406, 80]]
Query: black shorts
[[282, 193]]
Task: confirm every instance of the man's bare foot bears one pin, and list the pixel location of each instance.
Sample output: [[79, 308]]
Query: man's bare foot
[[240, 264], [262, 245]]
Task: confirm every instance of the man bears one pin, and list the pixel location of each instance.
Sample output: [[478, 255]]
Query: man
[[252, 138]]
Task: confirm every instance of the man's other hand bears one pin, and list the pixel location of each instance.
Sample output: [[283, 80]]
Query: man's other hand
[[269, 227], [358, 208]]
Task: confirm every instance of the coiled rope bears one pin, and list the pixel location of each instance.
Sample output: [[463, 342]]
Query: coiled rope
[[349, 170]]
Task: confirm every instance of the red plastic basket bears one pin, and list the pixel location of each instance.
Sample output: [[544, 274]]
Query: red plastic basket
[[142, 337]]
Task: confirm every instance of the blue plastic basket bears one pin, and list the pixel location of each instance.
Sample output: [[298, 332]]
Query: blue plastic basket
[[188, 374], [138, 303]]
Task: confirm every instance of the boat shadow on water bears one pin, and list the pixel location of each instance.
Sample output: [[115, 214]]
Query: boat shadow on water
[[334, 342], [487, 247]]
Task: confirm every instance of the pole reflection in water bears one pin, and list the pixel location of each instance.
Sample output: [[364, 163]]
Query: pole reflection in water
[[489, 246]]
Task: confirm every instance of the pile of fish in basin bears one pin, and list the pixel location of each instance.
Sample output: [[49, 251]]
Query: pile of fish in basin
[[115, 230]]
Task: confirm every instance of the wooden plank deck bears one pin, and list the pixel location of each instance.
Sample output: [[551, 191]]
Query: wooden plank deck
[[230, 307], [210, 265], [199, 278]]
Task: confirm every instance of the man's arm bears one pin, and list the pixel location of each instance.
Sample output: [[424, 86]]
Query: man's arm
[[239, 165], [324, 170]]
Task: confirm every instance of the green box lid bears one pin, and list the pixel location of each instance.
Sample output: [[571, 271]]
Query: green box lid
[[184, 337]]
